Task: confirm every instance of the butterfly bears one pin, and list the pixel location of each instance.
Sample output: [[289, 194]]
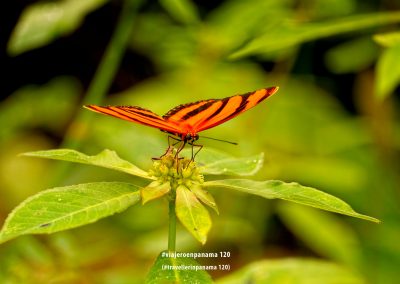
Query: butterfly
[[187, 120]]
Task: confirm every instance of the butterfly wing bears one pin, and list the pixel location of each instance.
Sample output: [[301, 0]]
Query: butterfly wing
[[206, 114], [138, 115], [192, 117]]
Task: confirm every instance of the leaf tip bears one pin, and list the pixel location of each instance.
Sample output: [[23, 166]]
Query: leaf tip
[[25, 154], [375, 220]]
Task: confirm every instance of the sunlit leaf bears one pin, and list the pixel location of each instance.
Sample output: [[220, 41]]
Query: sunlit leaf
[[107, 159], [388, 39], [246, 166], [293, 271], [204, 196], [388, 71], [43, 22], [63, 208], [213, 162], [294, 192], [176, 270], [289, 34], [154, 190], [192, 214]]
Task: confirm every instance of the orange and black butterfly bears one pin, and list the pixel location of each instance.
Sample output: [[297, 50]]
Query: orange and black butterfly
[[187, 120]]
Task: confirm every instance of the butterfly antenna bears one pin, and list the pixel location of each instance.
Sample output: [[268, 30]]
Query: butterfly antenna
[[233, 143]]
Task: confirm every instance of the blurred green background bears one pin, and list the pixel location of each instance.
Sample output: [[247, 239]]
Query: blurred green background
[[333, 125]]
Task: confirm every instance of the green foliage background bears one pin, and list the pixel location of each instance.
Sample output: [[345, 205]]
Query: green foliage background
[[333, 125]]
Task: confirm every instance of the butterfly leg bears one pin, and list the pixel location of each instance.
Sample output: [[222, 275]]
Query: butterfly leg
[[169, 151], [193, 153], [183, 143], [173, 138], [170, 147]]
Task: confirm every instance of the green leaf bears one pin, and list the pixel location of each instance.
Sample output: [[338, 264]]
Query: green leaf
[[287, 34], [213, 162], [293, 271], [154, 190], [192, 214], [176, 270], [388, 39], [388, 71], [294, 192], [204, 196], [63, 208], [183, 11], [45, 21], [246, 166], [107, 159]]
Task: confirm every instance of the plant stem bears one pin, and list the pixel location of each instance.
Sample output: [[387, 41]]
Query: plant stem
[[101, 82], [172, 225]]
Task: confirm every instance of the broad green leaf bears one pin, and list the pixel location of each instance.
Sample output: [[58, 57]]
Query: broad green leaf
[[388, 39], [388, 71], [107, 159], [43, 22], [192, 214], [63, 208], [183, 11], [213, 162], [154, 190], [324, 233], [275, 189], [288, 34], [204, 196], [293, 271], [177, 270]]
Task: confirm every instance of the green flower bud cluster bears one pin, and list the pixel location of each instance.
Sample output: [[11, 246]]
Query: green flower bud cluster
[[176, 171], [171, 174], [181, 182]]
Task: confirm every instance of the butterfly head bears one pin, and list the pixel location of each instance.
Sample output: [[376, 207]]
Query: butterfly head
[[191, 137]]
